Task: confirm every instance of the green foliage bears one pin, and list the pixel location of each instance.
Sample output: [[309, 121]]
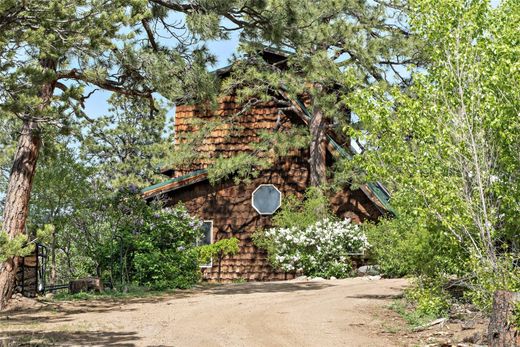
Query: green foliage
[[487, 279], [423, 302], [112, 294], [146, 244], [402, 246], [14, 247], [44, 235], [429, 298], [413, 317], [127, 145], [218, 250], [164, 256], [516, 315], [446, 147], [301, 213]]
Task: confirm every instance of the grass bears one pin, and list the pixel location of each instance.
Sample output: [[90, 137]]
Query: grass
[[132, 292], [413, 317]]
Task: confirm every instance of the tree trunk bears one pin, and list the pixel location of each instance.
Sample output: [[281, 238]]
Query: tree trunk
[[220, 257], [501, 332], [318, 147], [16, 208], [17, 200]]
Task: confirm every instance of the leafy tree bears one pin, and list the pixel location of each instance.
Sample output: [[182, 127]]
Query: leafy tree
[[61, 186], [449, 147], [127, 145], [161, 253]]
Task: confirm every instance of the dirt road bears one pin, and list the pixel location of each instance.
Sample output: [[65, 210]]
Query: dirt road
[[311, 313]]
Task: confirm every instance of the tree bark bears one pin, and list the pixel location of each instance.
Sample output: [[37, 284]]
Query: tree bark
[[17, 201], [318, 146], [16, 208], [501, 332]]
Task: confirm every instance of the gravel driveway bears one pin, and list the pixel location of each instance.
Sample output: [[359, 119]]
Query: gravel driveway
[[292, 313]]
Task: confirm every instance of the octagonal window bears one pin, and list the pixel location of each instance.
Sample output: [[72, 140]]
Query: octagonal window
[[266, 199]]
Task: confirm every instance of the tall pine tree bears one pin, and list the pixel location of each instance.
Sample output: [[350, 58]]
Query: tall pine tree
[[56, 53], [333, 48]]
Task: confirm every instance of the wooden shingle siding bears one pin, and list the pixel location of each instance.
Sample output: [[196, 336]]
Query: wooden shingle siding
[[229, 207], [227, 204], [233, 135]]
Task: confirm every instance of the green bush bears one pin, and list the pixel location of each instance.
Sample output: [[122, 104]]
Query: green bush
[[145, 244], [413, 245], [164, 255], [429, 298], [486, 279], [217, 251]]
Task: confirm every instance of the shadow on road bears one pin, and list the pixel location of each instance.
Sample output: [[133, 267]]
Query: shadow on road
[[64, 311], [69, 338], [376, 296], [265, 287]]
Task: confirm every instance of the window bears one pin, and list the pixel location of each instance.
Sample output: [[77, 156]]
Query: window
[[207, 239], [266, 199]]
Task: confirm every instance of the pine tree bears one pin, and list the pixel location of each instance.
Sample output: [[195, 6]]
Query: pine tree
[[332, 48], [55, 54]]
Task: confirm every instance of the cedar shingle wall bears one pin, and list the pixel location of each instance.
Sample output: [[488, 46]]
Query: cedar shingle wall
[[233, 134], [229, 206]]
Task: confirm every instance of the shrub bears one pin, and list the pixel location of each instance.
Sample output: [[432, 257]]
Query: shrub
[[164, 255], [487, 278], [415, 245], [429, 298], [300, 213], [217, 251], [320, 249]]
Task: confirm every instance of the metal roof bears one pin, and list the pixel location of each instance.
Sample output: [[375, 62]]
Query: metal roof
[[175, 183]]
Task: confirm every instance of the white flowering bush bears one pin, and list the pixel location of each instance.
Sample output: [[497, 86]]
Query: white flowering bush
[[320, 249]]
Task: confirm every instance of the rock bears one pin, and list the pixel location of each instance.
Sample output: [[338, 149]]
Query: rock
[[49, 296], [373, 278], [371, 270], [301, 278], [475, 338], [318, 279], [333, 278]]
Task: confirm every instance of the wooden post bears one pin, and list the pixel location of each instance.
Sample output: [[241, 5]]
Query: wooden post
[[501, 331]]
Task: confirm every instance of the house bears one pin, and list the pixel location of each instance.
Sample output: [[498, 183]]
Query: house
[[238, 210]]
